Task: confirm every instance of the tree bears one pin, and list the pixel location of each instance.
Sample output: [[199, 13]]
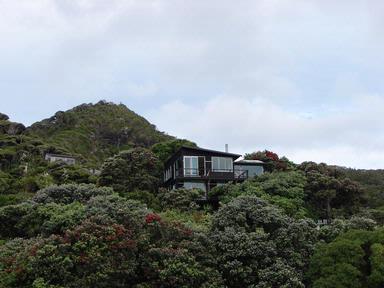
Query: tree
[[164, 150], [354, 259], [94, 238], [272, 161], [134, 169], [254, 240], [69, 193], [283, 189], [181, 199], [329, 193]]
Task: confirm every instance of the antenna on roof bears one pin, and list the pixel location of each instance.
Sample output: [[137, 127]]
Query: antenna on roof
[[226, 148]]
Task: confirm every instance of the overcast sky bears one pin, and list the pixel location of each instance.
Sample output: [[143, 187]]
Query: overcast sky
[[303, 78]]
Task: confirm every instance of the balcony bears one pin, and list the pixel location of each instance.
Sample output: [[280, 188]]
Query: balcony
[[217, 174]]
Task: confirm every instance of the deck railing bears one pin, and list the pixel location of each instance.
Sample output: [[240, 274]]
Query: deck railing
[[220, 173], [241, 174]]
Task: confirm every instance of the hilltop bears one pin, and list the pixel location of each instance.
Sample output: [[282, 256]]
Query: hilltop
[[97, 131]]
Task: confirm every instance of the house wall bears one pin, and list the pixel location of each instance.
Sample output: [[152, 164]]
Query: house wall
[[176, 165], [55, 158], [252, 170]]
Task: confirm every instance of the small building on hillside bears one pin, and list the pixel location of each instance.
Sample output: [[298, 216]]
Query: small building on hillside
[[204, 169], [250, 168], [68, 159]]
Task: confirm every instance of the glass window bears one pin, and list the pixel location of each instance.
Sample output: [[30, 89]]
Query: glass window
[[252, 170], [222, 164], [191, 165]]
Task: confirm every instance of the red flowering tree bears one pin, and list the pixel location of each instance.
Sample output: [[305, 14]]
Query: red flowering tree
[[272, 160], [118, 244], [152, 217]]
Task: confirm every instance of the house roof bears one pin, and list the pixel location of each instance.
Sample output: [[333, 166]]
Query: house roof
[[60, 155], [249, 162], [211, 151], [198, 149]]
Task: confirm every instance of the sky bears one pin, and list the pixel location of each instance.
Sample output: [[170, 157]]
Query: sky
[[303, 78]]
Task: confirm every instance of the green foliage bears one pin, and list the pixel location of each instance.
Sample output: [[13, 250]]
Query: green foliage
[[64, 174], [5, 182], [97, 250], [283, 189], [181, 199], [145, 197], [68, 193], [28, 220], [329, 232], [10, 217], [354, 259], [377, 214], [372, 182], [329, 193], [77, 234], [134, 169], [195, 220], [106, 241], [254, 240], [51, 218], [97, 131], [376, 278], [129, 213], [12, 199]]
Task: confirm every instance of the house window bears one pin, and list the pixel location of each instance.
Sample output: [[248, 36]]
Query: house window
[[191, 165], [168, 174], [222, 164]]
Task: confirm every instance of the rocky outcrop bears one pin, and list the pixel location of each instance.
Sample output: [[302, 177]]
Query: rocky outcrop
[[11, 128], [3, 116], [15, 128]]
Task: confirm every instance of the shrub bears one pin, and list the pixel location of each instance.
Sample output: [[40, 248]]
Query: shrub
[[69, 193], [134, 169], [182, 199], [254, 240]]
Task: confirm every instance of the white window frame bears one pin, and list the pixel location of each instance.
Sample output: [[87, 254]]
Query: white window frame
[[188, 170], [225, 164]]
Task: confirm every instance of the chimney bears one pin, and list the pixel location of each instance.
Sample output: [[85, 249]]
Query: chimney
[[226, 148]]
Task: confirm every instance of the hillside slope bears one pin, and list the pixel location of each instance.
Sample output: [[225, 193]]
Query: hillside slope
[[97, 131]]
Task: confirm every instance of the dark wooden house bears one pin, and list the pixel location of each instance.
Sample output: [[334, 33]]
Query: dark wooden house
[[202, 168]]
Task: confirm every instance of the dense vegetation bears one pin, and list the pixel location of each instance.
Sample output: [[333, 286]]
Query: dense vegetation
[[97, 131], [90, 132], [63, 226]]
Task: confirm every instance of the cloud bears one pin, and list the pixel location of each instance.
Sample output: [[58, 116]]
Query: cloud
[[295, 75], [352, 137]]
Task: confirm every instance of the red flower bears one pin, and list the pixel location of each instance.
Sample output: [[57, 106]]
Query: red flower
[[271, 155], [152, 217]]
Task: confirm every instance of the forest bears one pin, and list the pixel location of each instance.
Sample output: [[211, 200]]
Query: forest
[[296, 225]]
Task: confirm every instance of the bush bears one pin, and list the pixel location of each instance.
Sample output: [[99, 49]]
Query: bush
[[181, 199], [254, 240], [68, 193], [5, 182], [283, 189], [353, 259], [135, 169], [145, 197]]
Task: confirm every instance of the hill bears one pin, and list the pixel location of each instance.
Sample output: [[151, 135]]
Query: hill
[[97, 131], [90, 132]]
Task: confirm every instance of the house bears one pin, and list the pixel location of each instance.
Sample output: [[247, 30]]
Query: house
[[70, 160], [204, 169]]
